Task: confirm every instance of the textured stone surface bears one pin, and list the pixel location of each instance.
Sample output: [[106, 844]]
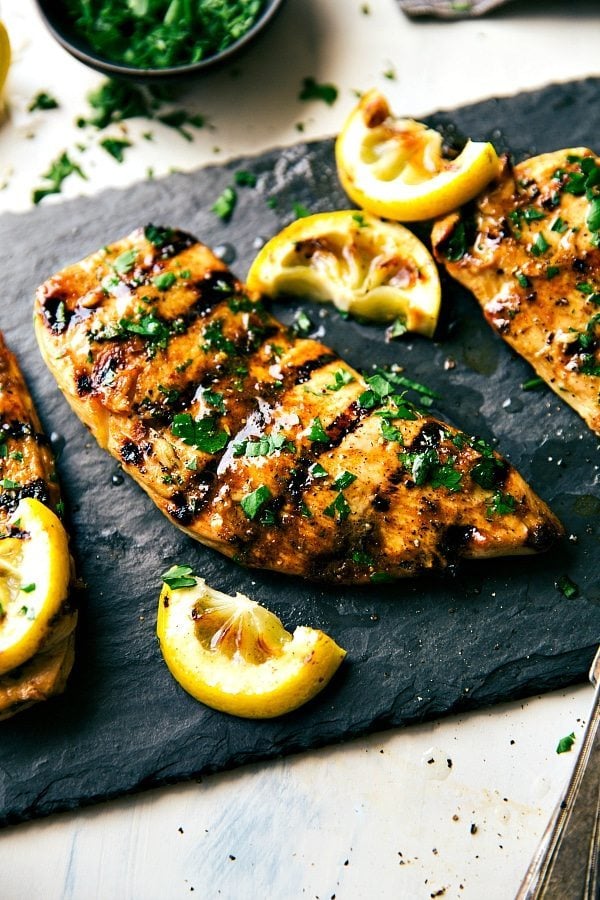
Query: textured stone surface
[[491, 632]]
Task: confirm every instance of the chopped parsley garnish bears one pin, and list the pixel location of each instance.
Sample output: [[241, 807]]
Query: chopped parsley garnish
[[179, 577], [340, 378], [343, 481], [501, 504], [426, 468], [266, 445], [593, 217], [43, 101], [565, 743], [397, 329], [151, 327], [157, 236], [300, 210], [361, 558], [162, 33], [317, 432], [59, 170], [522, 279], [317, 471], [567, 587], [302, 325], [456, 245], [225, 203], [391, 433], [533, 384], [559, 225], [115, 147], [214, 339], [311, 90], [200, 433], [125, 262], [9, 485], [339, 509], [28, 588], [164, 281], [552, 272], [244, 179], [214, 399], [253, 503], [540, 245]]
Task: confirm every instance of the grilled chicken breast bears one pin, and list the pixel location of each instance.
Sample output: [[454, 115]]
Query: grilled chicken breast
[[262, 444], [27, 470], [529, 252]]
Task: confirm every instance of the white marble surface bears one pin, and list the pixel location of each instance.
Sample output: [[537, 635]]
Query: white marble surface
[[372, 818]]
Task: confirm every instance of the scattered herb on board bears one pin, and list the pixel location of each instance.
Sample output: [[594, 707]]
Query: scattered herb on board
[[565, 743], [43, 101], [179, 577], [533, 384], [567, 587], [59, 170], [225, 203], [311, 90], [115, 147], [158, 34]]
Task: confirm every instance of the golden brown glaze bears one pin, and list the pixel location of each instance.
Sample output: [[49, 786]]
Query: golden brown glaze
[[261, 444], [27, 470], [531, 259]]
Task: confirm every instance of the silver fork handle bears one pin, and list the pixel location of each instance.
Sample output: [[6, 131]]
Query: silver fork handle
[[566, 864]]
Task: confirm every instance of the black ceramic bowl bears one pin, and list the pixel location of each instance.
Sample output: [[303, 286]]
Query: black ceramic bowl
[[57, 20]]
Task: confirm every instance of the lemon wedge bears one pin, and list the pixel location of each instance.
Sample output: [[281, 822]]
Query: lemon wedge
[[34, 581], [234, 655], [375, 270], [394, 167], [5, 55]]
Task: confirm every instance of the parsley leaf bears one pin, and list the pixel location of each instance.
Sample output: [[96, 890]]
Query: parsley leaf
[[340, 378], [317, 432], [343, 481], [115, 147], [253, 503], [179, 577], [59, 170], [200, 433], [565, 743], [225, 203], [339, 509], [311, 90]]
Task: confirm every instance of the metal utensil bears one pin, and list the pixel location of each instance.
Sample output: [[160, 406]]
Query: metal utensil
[[566, 865]]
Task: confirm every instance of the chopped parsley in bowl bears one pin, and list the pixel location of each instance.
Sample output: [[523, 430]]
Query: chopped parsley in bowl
[[155, 38]]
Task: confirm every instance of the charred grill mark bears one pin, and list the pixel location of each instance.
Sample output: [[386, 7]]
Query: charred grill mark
[[55, 312], [302, 373], [380, 503], [454, 541], [83, 384], [184, 506], [541, 537], [19, 431], [212, 290], [37, 489], [346, 423], [132, 453], [168, 242], [429, 437]]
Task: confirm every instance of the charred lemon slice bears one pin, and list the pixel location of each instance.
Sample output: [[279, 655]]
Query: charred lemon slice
[[371, 269], [394, 167], [34, 581], [235, 656]]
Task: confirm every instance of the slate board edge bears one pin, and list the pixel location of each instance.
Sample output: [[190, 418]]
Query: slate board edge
[[528, 689]]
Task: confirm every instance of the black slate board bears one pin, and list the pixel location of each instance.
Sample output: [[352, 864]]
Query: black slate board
[[417, 649]]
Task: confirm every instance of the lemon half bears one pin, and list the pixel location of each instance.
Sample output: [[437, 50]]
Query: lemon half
[[369, 268], [234, 655], [34, 581], [394, 167]]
